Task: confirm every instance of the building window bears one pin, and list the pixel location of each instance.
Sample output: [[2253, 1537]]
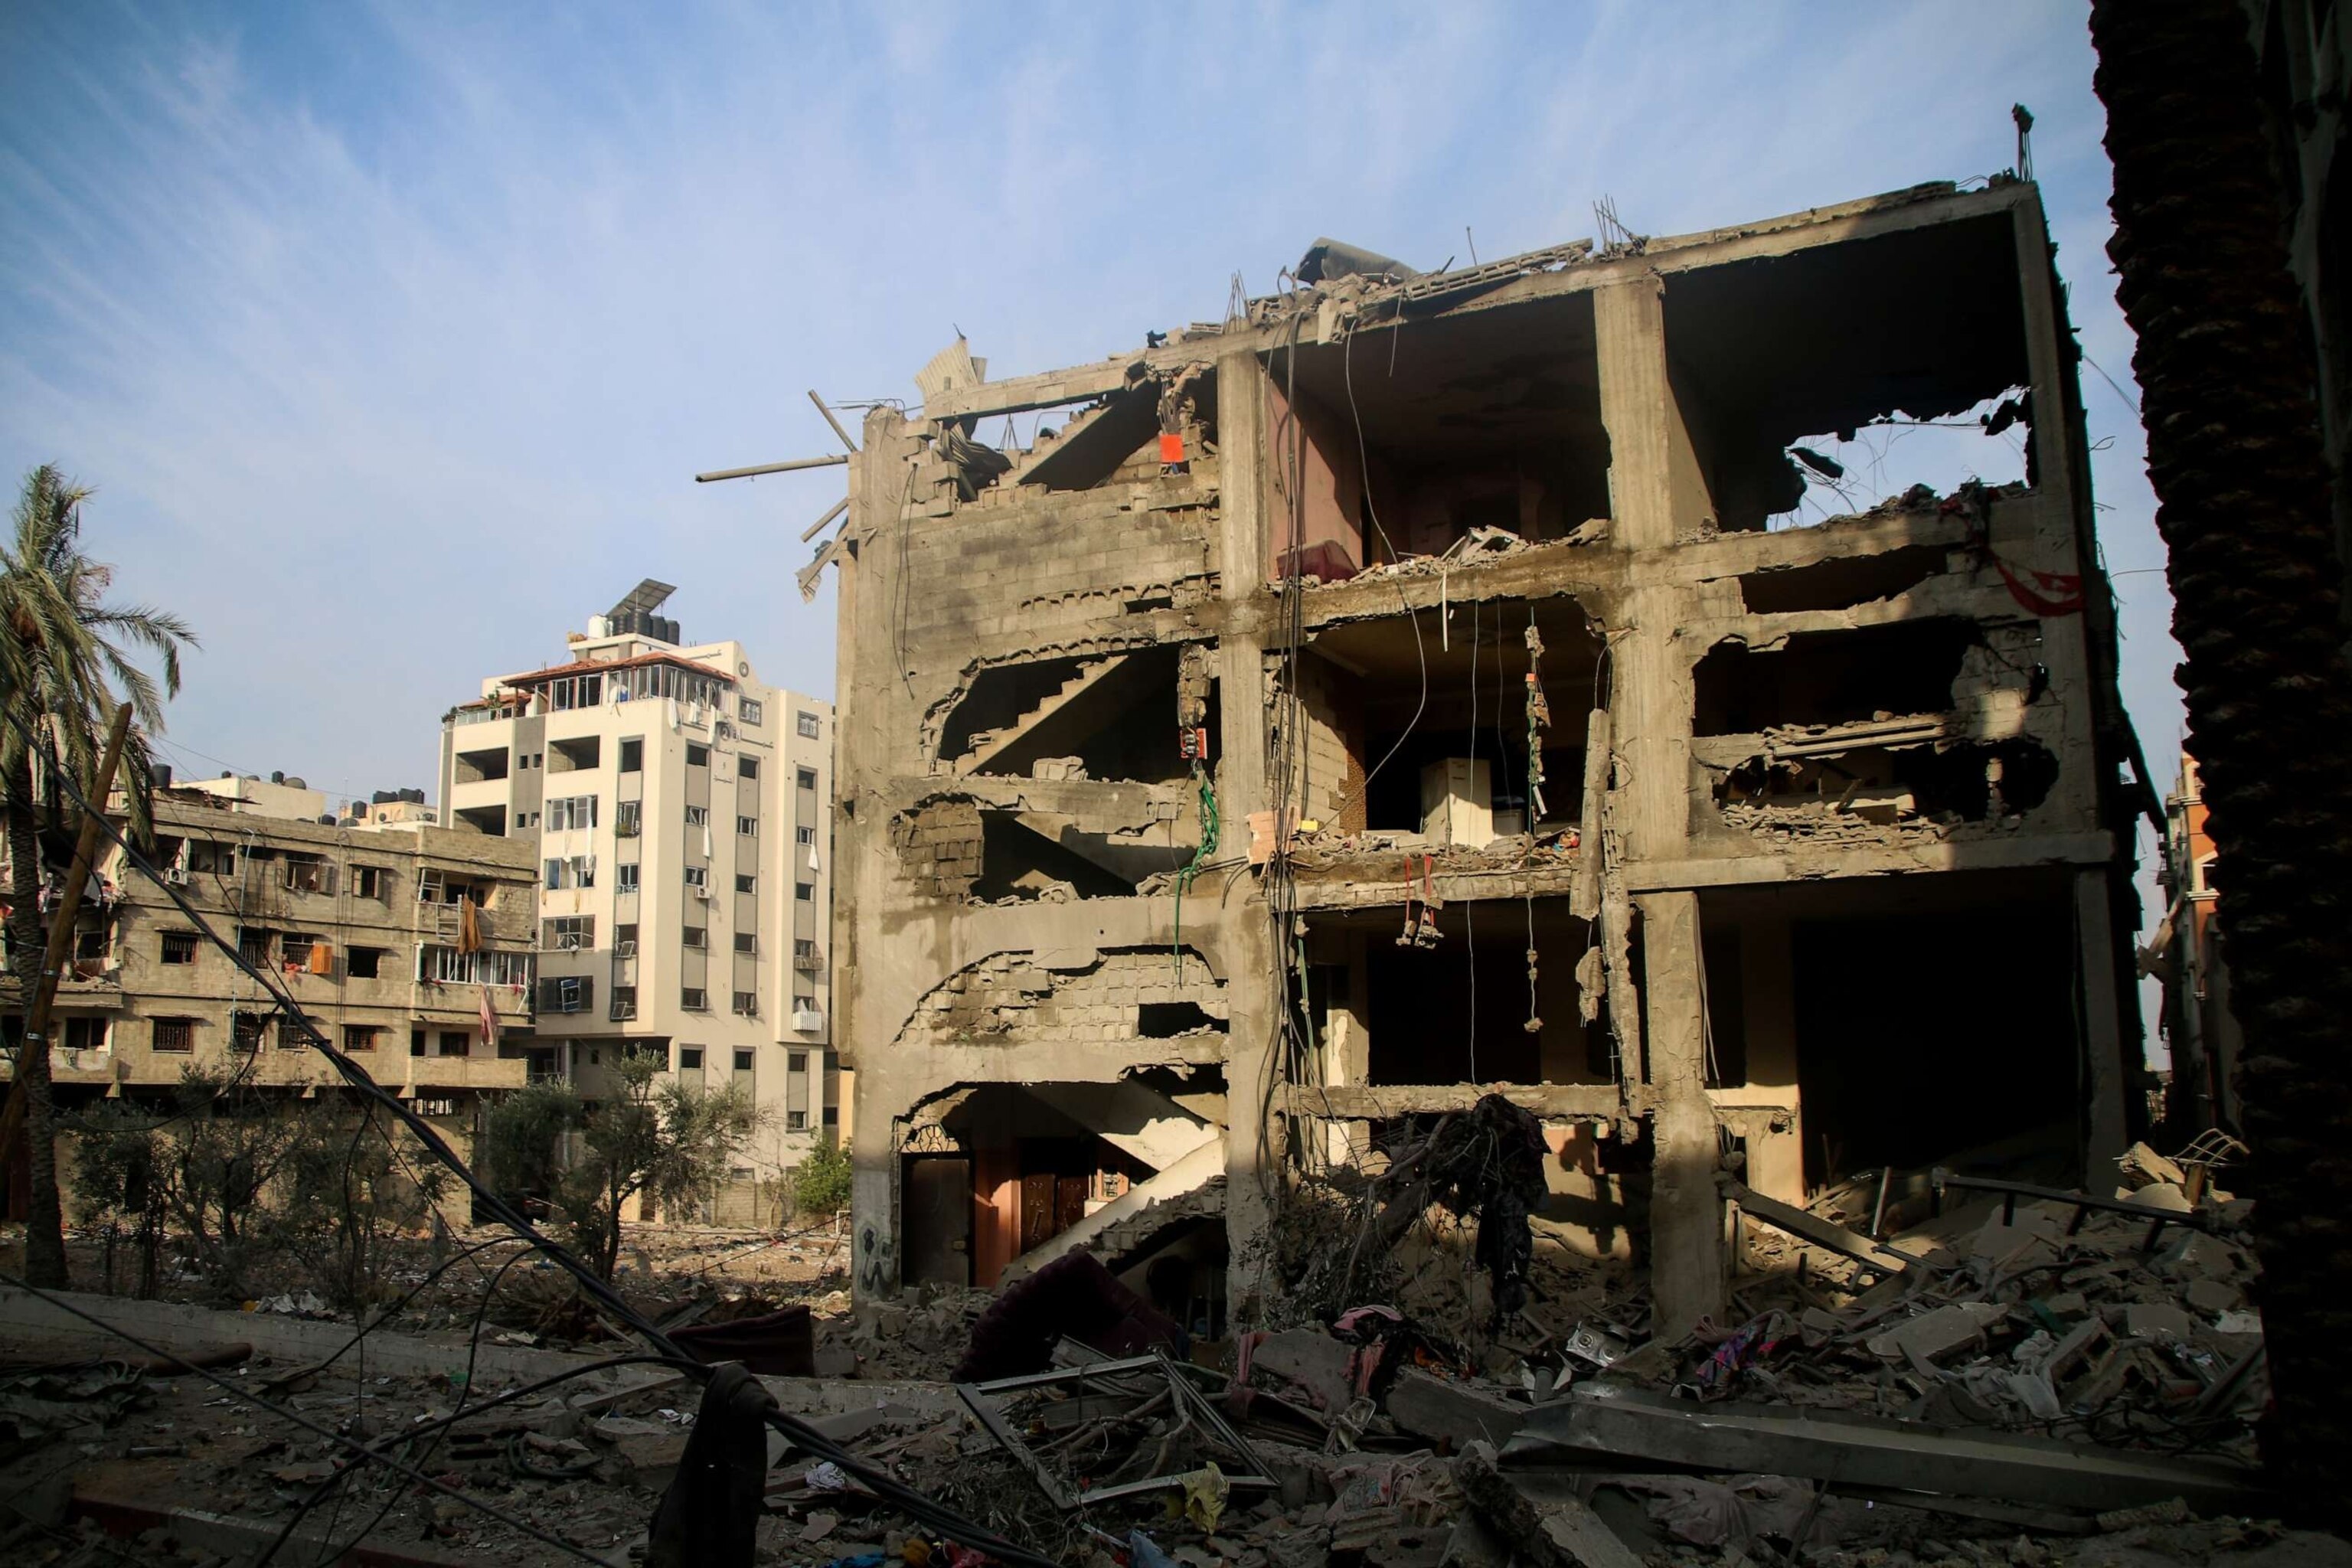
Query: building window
[[804, 1003], [833, 1116], [806, 778], [308, 874], [809, 727], [743, 1060], [796, 1061], [625, 1006], [416, 1042], [364, 963], [797, 1120], [747, 826], [698, 876], [360, 1036], [570, 811], [695, 936], [252, 945], [804, 891], [747, 1003], [628, 874], [179, 947], [456, 1043], [698, 816], [746, 941], [291, 1037], [369, 882], [572, 871], [804, 835], [745, 882], [245, 1031], [694, 999], [633, 754], [568, 933], [85, 1034], [697, 756], [626, 815], [625, 939], [564, 993], [747, 767], [690, 1058], [749, 709], [177, 1036]]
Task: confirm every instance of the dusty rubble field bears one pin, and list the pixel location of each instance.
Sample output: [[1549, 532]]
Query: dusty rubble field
[[1375, 1443]]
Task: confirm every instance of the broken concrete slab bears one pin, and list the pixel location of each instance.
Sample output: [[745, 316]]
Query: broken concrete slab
[[1936, 1334], [1451, 1414], [1316, 1361], [1602, 1424], [2155, 1320], [1557, 1531]]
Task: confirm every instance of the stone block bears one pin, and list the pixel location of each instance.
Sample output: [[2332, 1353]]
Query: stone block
[[1937, 1333], [1450, 1415]]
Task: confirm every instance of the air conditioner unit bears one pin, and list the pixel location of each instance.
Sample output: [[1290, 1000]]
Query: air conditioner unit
[[703, 892], [176, 875], [807, 1021]]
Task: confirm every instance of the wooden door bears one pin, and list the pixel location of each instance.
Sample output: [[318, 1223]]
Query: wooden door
[[937, 1194], [1038, 1226]]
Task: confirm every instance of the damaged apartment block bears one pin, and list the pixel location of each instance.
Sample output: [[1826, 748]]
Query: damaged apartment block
[[1545, 679]]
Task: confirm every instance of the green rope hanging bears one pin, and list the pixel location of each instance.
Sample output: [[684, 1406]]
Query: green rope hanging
[[1193, 868]]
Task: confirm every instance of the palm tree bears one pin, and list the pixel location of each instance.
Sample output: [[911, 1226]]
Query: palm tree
[[2233, 452], [64, 669]]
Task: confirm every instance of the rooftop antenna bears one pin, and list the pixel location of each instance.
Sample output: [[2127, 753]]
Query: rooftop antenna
[[2023, 117], [1472, 243]]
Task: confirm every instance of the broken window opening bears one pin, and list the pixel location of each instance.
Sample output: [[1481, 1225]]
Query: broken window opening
[[1167, 1020], [1487, 419], [1841, 582], [1107, 716], [1832, 676], [1381, 754], [1964, 781], [1926, 328], [1387, 1010], [490, 820], [1892, 462]]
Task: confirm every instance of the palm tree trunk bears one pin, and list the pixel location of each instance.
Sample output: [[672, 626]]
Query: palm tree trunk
[[2233, 452], [45, 1247]]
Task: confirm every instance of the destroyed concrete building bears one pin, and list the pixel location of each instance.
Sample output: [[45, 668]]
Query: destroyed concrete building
[[1421, 682]]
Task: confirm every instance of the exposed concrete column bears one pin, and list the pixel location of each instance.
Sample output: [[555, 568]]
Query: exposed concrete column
[[1686, 1263], [2103, 1047], [1254, 1141], [1776, 1160]]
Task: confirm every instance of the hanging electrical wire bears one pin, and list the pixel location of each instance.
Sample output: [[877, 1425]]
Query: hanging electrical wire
[[599, 1292]]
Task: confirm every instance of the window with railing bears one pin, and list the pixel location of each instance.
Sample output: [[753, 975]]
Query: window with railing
[[447, 966], [173, 1036]]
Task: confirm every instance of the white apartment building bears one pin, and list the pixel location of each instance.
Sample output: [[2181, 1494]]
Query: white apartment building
[[677, 804]]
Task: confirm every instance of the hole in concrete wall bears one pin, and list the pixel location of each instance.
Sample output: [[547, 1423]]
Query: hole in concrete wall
[[1489, 418], [1446, 753], [488, 819], [1831, 677], [992, 1171], [1020, 861], [1841, 582], [1106, 716], [1968, 781], [1920, 1036], [1910, 462], [1925, 326], [1166, 1020]]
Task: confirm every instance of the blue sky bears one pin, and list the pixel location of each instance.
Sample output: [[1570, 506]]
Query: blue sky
[[392, 336]]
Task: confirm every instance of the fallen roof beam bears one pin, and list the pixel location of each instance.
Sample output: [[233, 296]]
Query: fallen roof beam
[[1812, 1228], [1633, 1428], [756, 469]]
